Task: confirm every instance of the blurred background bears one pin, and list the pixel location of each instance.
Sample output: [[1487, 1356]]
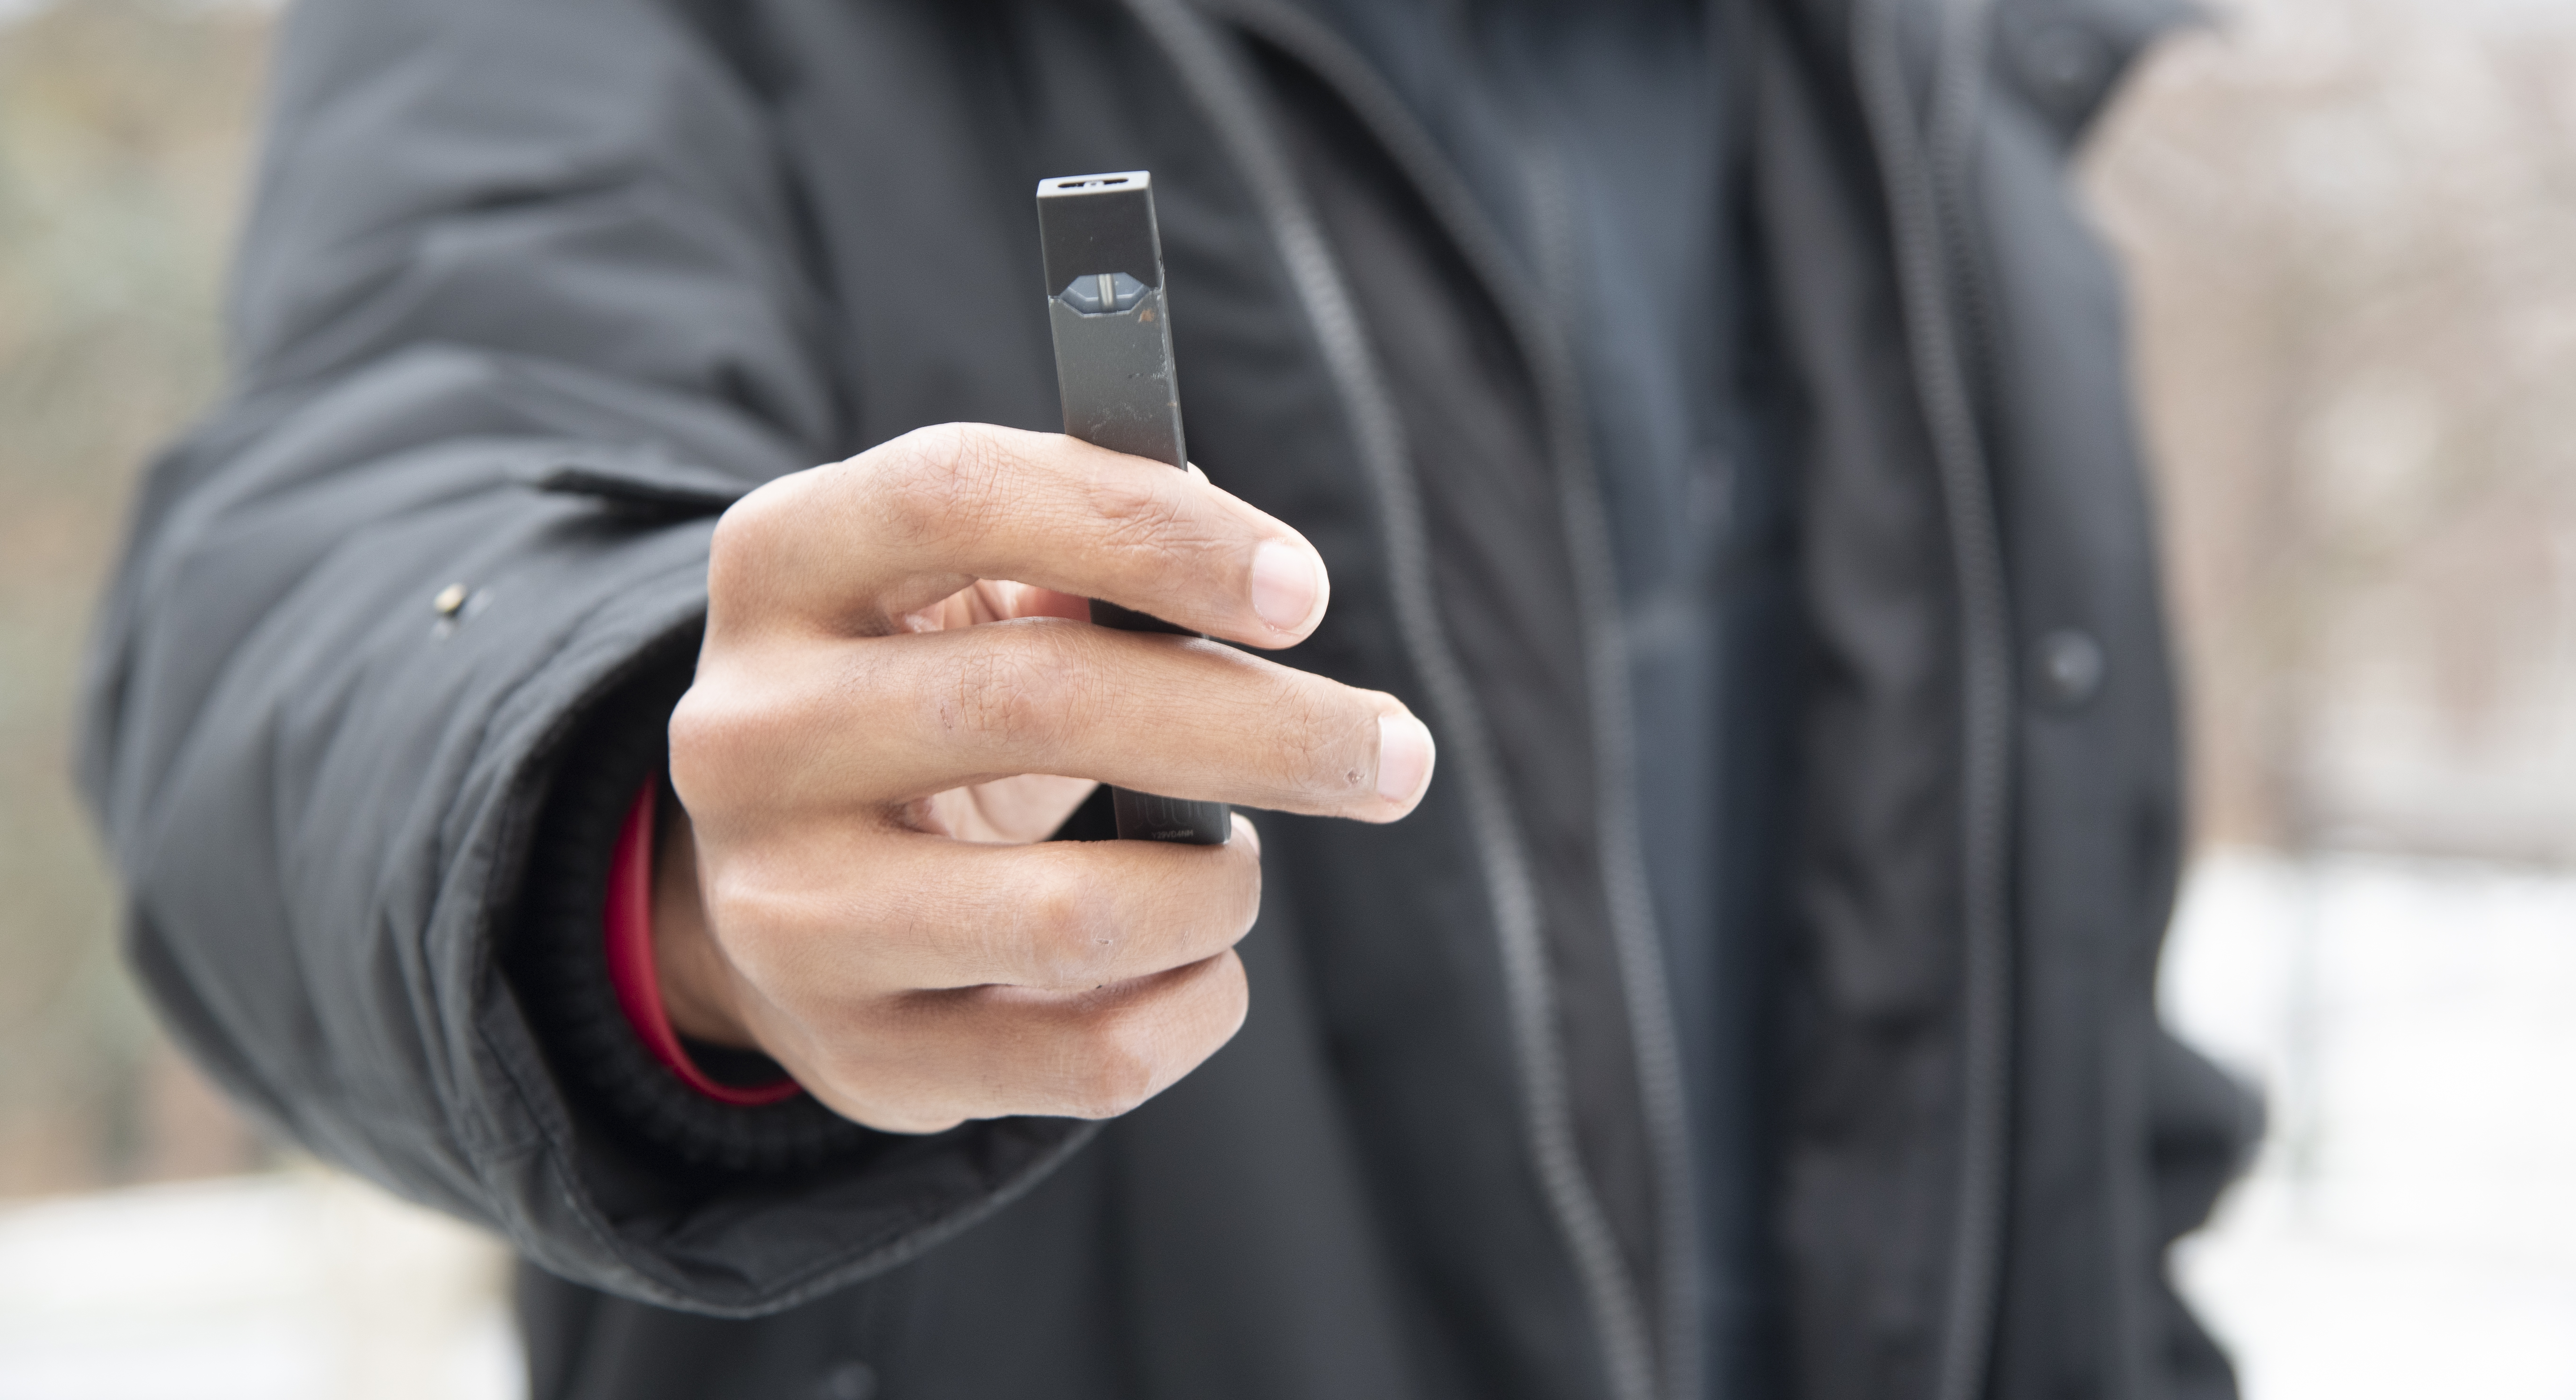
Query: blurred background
[[2351, 231]]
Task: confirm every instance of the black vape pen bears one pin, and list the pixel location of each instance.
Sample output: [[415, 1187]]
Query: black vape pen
[[1113, 366]]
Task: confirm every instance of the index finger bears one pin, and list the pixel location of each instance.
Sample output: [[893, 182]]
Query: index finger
[[853, 546]]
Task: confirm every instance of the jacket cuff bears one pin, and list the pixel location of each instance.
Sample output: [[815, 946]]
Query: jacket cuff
[[558, 961]]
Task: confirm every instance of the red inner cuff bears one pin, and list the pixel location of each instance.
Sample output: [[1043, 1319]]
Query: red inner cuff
[[630, 960]]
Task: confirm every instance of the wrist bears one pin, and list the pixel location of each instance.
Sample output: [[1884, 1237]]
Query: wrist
[[697, 987], [636, 958]]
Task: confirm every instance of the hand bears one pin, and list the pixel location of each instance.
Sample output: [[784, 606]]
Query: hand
[[881, 733]]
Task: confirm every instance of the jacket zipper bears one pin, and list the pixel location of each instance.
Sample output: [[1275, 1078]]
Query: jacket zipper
[[1927, 193], [1633, 923], [1220, 88]]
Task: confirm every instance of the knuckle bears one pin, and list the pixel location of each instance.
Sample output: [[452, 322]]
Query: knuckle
[[707, 736], [853, 1080], [1230, 1002], [1005, 689], [759, 931], [744, 536], [1137, 1048], [1119, 1072], [942, 484], [1247, 900], [1327, 748], [856, 1069], [724, 740], [1141, 513], [1071, 934]]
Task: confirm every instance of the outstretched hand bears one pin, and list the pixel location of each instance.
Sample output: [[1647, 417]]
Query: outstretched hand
[[882, 732]]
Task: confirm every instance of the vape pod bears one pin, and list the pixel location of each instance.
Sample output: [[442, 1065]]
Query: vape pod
[[1113, 367]]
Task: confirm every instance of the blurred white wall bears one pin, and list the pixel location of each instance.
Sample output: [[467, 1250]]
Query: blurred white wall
[[299, 1285], [2410, 1228]]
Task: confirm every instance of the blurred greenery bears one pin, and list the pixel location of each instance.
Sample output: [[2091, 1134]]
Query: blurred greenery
[[124, 132]]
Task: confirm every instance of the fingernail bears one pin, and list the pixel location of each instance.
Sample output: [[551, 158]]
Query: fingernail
[[1243, 831], [1403, 758], [1287, 583]]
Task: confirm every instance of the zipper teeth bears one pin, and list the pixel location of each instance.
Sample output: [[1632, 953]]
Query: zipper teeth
[[1221, 90], [1634, 930], [1925, 194], [1633, 924]]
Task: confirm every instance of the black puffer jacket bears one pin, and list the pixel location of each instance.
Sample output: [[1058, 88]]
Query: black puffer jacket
[[534, 289]]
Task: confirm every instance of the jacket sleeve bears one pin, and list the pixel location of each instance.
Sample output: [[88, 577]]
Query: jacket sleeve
[[358, 678]]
